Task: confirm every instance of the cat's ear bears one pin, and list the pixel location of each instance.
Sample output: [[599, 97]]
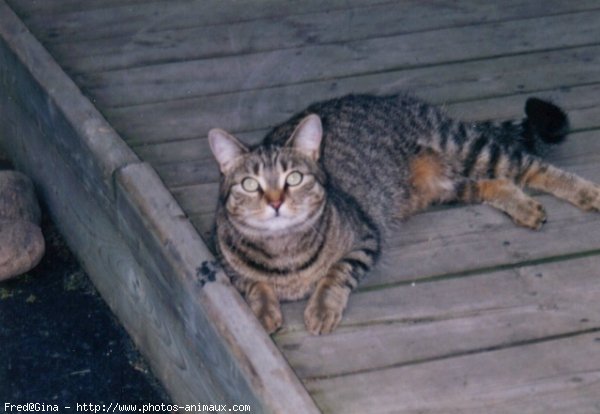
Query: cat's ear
[[307, 136], [225, 147]]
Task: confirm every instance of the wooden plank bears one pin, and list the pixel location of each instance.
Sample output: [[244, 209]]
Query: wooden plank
[[409, 324], [199, 199], [29, 76], [187, 149], [289, 66], [488, 239], [252, 111], [153, 45], [177, 336], [77, 21], [27, 8], [560, 376], [442, 85]]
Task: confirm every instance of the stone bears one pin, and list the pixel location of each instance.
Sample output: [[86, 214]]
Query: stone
[[21, 247], [17, 198]]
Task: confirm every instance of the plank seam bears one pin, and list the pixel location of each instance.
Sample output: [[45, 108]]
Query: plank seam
[[249, 53], [490, 349], [233, 22], [208, 25], [56, 41], [482, 271], [398, 69]]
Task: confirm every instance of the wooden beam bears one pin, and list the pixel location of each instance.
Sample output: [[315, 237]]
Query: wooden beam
[[133, 240], [246, 355]]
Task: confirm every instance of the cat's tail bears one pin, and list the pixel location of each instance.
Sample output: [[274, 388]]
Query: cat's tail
[[546, 124]]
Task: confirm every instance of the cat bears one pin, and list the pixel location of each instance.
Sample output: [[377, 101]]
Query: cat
[[305, 213]]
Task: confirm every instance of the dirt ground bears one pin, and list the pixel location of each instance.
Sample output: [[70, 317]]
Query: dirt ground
[[59, 342]]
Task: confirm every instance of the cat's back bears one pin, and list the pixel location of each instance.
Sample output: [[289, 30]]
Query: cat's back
[[356, 119], [367, 144]]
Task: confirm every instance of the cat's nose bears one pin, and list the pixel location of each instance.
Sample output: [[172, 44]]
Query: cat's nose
[[275, 199], [276, 204]]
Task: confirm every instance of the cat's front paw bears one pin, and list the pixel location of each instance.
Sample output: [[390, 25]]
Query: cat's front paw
[[322, 320], [269, 315], [324, 310], [263, 301]]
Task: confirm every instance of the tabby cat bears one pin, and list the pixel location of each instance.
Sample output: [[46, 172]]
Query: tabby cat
[[305, 213]]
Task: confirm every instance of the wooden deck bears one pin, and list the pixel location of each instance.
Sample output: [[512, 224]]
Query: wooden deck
[[466, 312]]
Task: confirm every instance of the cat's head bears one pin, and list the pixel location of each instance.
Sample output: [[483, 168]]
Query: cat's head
[[272, 188]]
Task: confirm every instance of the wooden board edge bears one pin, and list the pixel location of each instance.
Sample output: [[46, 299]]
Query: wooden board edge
[[197, 350], [91, 234], [205, 298], [31, 77]]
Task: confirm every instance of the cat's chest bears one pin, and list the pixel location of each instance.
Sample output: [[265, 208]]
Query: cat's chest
[[292, 268], [293, 274], [298, 285]]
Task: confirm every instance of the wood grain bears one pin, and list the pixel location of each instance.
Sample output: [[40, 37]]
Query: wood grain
[[320, 62], [88, 142], [432, 320], [154, 43], [557, 376], [72, 20], [258, 111]]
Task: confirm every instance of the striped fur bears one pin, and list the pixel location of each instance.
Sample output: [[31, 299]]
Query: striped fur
[[361, 162]]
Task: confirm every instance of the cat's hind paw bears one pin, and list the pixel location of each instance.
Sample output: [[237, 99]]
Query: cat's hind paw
[[530, 214], [507, 197], [588, 198]]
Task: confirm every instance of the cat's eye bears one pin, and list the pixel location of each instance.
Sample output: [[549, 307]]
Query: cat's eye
[[293, 178], [250, 184]]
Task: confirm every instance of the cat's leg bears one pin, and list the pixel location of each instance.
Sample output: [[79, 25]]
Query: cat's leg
[[431, 180], [327, 303], [505, 196], [567, 186], [434, 181], [262, 299], [330, 297]]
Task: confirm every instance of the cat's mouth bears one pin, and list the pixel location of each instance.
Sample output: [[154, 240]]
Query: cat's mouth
[[285, 218], [279, 218], [276, 222], [272, 219]]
